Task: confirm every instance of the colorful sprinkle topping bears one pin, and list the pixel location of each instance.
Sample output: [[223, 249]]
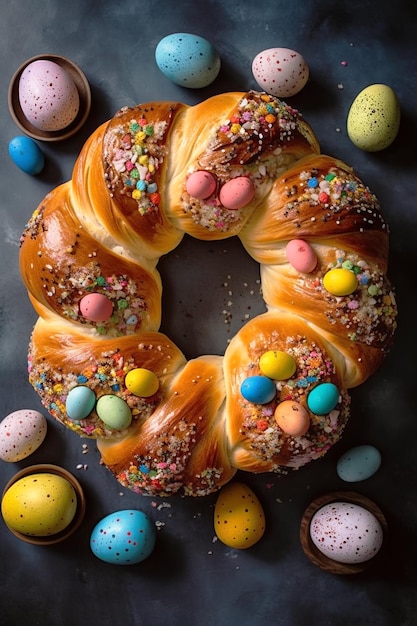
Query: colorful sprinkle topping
[[135, 156]]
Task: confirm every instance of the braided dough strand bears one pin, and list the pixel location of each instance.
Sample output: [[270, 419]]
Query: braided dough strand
[[100, 236]]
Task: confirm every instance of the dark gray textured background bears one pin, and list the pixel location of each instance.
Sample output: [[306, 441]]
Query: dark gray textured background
[[189, 580]]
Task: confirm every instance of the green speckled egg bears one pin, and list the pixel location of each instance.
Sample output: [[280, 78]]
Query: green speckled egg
[[374, 118]]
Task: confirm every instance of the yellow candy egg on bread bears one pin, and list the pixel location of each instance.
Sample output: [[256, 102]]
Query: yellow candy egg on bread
[[239, 519]]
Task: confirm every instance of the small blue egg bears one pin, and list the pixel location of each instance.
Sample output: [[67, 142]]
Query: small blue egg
[[187, 60], [258, 389], [123, 538], [358, 463], [26, 154], [80, 402], [323, 398]]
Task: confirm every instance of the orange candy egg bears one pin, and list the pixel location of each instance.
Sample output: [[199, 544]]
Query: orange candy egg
[[292, 418]]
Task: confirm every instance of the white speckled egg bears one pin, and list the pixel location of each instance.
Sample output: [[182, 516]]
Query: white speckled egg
[[123, 538], [346, 532], [374, 118], [21, 433], [281, 72], [48, 96], [187, 60], [358, 463]]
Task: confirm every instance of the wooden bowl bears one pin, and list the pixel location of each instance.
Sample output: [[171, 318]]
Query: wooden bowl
[[84, 93], [320, 559], [79, 513]]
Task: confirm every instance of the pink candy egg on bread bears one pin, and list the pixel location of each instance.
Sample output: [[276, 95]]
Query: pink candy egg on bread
[[301, 255], [201, 184], [237, 193], [96, 307]]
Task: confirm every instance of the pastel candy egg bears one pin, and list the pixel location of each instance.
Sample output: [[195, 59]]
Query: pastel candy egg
[[301, 255], [123, 538], [374, 118], [281, 72], [258, 389], [201, 184], [21, 433], [346, 533], [96, 307], [39, 505], [114, 411], [80, 402], [26, 154], [237, 193], [239, 519], [142, 382], [340, 281], [48, 96], [323, 398], [292, 418], [358, 463], [277, 364], [187, 60]]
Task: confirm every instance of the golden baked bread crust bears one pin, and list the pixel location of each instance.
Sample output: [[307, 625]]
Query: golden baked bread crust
[[127, 204]]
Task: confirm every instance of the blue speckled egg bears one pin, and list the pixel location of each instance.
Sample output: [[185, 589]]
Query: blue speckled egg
[[123, 538], [358, 463], [323, 398], [258, 389], [187, 60], [26, 154], [80, 402]]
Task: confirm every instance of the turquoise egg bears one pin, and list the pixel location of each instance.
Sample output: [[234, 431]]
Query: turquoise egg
[[114, 411], [80, 402], [26, 154], [187, 60], [124, 537], [258, 389], [323, 398], [358, 463]]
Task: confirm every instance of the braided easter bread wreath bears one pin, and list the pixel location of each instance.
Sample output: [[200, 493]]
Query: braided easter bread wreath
[[243, 164]]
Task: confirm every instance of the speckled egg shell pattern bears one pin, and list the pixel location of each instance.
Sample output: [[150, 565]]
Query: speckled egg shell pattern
[[187, 60], [48, 96], [374, 118], [346, 533], [21, 433]]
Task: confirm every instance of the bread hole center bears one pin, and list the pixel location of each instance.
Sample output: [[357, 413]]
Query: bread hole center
[[210, 290]]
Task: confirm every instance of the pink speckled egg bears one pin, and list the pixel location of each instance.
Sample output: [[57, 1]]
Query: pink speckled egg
[[21, 433], [346, 532], [96, 307], [237, 193], [281, 72], [48, 96], [201, 184], [301, 255]]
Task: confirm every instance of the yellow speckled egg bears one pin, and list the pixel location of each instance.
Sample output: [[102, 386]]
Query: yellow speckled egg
[[277, 364], [39, 505], [340, 281], [374, 118], [239, 519]]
